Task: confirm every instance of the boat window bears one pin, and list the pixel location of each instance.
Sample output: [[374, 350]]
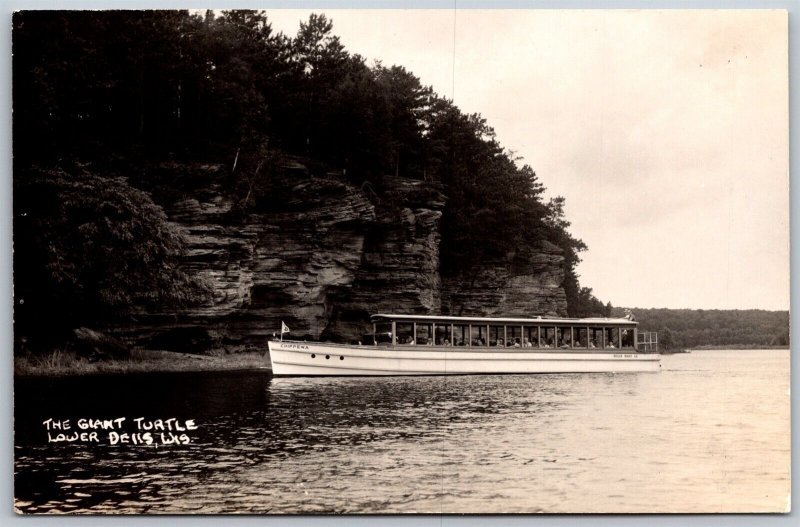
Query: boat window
[[564, 337], [443, 335], [627, 338], [383, 337], [383, 332], [424, 336], [496, 336], [548, 337], [514, 334], [581, 340], [612, 337], [530, 337], [596, 338], [405, 332], [460, 335], [479, 337]]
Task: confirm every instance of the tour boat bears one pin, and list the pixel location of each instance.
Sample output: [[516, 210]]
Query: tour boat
[[443, 345]]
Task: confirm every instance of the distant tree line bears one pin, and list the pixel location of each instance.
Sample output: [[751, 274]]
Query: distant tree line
[[688, 328], [101, 94]]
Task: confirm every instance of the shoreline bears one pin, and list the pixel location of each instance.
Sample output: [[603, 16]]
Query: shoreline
[[64, 364], [60, 363]]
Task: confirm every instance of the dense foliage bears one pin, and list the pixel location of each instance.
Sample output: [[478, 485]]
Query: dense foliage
[[87, 246], [687, 328], [151, 85]]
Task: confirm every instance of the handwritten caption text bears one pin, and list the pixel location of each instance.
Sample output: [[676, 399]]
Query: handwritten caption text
[[120, 431]]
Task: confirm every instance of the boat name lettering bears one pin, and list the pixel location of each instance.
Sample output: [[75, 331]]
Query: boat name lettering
[[625, 356], [294, 346]]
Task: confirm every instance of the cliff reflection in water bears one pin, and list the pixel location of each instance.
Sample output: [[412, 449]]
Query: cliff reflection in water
[[518, 443]]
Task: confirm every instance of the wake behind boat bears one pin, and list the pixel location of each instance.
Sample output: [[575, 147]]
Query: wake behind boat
[[439, 345]]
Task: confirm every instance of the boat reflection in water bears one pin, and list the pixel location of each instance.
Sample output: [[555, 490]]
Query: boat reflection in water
[[437, 345]]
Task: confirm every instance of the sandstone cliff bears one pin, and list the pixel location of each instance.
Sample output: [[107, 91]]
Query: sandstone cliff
[[325, 258]]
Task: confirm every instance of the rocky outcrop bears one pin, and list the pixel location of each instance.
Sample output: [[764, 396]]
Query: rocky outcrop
[[399, 270], [323, 257], [527, 288]]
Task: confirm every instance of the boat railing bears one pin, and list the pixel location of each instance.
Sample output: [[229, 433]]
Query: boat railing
[[647, 341]]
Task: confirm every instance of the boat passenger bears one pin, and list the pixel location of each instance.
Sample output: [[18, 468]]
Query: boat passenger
[[610, 344], [516, 343], [500, 343], [446, 342], [593, 344], [577, 343]]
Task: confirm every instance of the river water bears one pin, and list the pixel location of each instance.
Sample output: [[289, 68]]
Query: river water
[[709, 433]]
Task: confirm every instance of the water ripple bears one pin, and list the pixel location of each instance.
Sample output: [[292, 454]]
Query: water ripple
[[709, 433]]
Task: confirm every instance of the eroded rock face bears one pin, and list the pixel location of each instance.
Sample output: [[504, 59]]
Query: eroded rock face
[[525, 289], [326, 258], [399, 270]]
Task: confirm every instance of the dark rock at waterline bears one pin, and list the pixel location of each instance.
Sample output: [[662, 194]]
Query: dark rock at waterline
[[95, 345]]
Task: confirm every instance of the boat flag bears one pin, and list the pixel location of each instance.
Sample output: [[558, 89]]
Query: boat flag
[[284, 329]]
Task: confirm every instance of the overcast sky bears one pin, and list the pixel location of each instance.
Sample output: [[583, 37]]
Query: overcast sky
[[666, 132]]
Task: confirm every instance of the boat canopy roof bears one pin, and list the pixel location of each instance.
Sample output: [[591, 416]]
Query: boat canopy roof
[[539, 321]]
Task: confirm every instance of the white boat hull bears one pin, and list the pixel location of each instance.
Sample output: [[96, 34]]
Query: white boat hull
[[293, 358]]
